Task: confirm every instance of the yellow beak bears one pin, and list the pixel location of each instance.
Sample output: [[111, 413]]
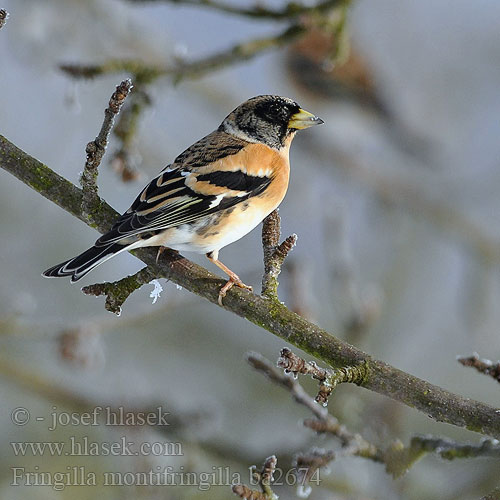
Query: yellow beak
[[304, 119]]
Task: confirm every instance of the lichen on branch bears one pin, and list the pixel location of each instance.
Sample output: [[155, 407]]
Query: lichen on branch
[[117, 292], [273, 316], [275, 253]]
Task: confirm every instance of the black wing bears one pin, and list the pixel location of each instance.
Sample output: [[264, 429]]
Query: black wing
[[181, 195]]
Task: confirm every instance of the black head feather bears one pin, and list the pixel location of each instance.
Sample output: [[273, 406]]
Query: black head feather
[[262, 119]]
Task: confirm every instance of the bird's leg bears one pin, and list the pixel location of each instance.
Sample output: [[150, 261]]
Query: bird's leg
[[234, 279]]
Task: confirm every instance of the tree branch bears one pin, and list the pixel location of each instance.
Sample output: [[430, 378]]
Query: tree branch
[[450, 450], [95, 149], [381, 377], [494, 495], [290, 11], [264, 479], [274, 253], [481, 365], [328, 379], [323, 421], [118, 292], [189, 69], [397, 458]]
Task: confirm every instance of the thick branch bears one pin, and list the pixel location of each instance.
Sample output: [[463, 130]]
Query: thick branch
[[381, 377]]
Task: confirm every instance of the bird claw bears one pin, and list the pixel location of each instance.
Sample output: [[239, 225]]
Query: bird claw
[[232, 281], [161, 249]]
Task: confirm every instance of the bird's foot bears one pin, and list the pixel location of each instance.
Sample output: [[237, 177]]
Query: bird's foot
[[233, 280]]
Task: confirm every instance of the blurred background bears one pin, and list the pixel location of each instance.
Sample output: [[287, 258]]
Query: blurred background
[[395, 202]]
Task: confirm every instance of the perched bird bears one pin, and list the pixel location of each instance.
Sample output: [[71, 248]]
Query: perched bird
[[214, 193]]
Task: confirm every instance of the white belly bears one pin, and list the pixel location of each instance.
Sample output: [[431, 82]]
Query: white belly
[[201, 237]]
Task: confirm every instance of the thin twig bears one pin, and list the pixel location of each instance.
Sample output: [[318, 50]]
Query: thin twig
[[290, 11], [189, 69], [4, 15], [247, 493], [117, 292], [331, 424], [399, 458], [481, 365], [449, 450], [306, 464], [381, 377], [264, 479], [328, 379], [274, 253], [95, 149], [264, 366], [494, 495]]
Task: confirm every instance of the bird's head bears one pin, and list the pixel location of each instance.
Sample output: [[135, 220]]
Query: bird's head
[[268, 119]]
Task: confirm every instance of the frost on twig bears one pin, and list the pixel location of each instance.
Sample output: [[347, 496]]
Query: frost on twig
[[323, 421], [95, 149], [155, 293], [328, 379], [382, 378], [397, 458], [274, 253], [264, 479], [481, 365], [117, 292], [307, 464]]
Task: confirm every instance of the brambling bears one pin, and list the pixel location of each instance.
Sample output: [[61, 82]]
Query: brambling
[[214, 193]]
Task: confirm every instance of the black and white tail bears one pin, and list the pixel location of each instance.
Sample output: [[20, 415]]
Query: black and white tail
[[79, 266]]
